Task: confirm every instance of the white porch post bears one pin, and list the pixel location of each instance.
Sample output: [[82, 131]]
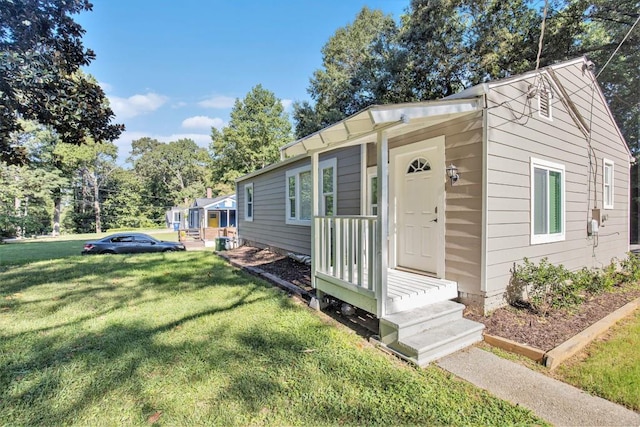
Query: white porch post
[[382, 245], [315, 211]]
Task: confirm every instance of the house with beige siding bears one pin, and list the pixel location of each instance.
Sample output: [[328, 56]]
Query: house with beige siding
[[404, 208]]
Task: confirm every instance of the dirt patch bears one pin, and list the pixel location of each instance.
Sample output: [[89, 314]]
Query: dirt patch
[[516, 324], [277, 264]]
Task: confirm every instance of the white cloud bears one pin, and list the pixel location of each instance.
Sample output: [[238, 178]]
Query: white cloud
[[203, 122], [179, 104], [286, 103], [126, 108], [220, 102]]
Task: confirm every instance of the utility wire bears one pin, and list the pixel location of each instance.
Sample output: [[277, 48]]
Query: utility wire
[[616, 51]]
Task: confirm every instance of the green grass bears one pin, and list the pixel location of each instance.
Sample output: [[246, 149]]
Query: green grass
[[45, 248], [185, 339], [612, 367]]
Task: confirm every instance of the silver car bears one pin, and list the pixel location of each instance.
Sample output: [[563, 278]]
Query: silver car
[[129, 243]]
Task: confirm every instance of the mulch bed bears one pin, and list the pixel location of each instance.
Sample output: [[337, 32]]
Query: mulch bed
[[517, 324], [547, 332], [277, 264]]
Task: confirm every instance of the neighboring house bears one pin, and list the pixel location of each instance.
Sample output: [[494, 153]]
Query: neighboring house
[[175, 218], [404, 207], [209, 212]]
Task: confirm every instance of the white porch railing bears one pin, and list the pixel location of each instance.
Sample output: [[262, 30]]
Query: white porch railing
[[345, 249]]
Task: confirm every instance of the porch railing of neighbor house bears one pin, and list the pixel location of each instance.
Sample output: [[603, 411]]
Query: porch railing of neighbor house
[[346, 247]]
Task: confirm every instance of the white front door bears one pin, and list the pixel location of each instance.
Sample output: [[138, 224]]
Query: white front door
[[419, 198]]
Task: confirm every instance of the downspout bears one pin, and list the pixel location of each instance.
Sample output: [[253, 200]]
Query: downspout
[[485, 187]]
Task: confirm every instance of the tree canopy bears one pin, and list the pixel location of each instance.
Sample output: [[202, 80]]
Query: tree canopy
[[41, 52], [442, 46], [259, 126], [170, 172]]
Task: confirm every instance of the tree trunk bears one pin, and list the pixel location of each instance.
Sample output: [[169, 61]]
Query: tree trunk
[[96, 203], [17, 203], [57, 202]]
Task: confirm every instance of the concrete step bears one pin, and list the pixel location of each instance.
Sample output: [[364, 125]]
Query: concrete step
[[432, 344], [398, 326]]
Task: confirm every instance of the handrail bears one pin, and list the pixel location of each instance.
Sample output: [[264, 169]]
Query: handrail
[[345, 248]]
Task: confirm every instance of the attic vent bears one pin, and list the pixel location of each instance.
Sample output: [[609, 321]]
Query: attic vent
[[544, 102]]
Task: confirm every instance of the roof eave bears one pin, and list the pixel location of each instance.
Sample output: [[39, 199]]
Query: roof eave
[[375, 118]]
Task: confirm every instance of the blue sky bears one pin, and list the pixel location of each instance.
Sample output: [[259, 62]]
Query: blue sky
[[172, 69]]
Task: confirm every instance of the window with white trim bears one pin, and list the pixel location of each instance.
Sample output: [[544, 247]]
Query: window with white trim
[[547, 201], [372, 190], [248, 202], [327, 169], [544, 102], [607, 183], [299, 196]]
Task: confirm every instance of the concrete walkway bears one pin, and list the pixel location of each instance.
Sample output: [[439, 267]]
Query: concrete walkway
[[552, 400]]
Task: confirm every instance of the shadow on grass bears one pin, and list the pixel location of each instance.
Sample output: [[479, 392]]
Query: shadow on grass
[[165, 271], [112, 356], [208, 344]]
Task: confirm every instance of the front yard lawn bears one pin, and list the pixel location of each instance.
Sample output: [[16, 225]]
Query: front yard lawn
[[184, 339], [610, 368]]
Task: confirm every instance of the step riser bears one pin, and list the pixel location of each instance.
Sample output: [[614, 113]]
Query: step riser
[[426, 358], [390, 333], [410, 322], [422, 358], [445, 294]]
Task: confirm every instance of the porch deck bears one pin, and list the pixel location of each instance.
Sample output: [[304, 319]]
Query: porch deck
[[406, 290]]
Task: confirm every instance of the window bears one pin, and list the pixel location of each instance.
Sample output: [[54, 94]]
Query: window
[[248, 205], [547, 202], [419, 165], [607, 184], [176, 217], [372, 190], [544, 102], [327, 170], [299, 196]]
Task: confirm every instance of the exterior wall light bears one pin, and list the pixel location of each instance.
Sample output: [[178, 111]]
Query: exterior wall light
[[452, 173]]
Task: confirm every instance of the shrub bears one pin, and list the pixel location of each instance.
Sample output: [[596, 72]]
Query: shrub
[[545, 286]]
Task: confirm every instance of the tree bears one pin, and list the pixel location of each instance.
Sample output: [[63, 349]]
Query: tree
[[609, 24], [41, 51], [125, 202], [92, 162], [257, 129], [29, 190], [443, 46], [351, 74], [170, 173]]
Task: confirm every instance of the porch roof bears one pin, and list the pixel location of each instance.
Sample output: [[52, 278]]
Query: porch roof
[[396, 118], [220, 202]]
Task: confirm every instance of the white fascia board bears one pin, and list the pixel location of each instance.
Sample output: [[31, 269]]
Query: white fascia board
[[382, 115], [533, 73], [272, 167], [471, 92]]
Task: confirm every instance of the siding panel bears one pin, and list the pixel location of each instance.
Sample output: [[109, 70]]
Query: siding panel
[[269, 227], [516, 134]]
